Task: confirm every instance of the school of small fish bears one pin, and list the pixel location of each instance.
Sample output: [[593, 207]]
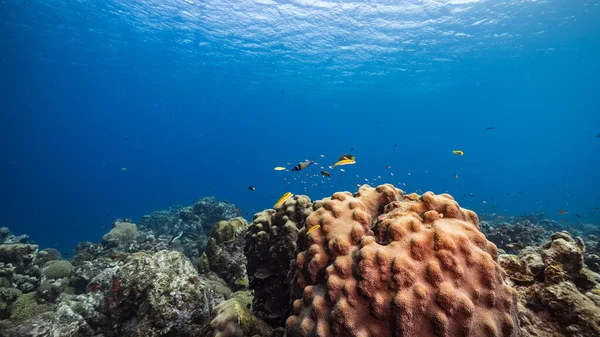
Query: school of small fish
[[308, 178]]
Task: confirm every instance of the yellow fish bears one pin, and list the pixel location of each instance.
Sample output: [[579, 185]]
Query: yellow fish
[[458, 152], [283, 199], [312, 229], [345, 162], [279, 168]]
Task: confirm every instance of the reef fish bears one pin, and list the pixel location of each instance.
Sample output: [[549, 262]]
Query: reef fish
[[458, 152], [252, 188], [491, 128], [312, 229], [326, 174], [176, 237], [345, 162], [283, 199], [303, 165], [347, 156], [279, 168], [563, 212]]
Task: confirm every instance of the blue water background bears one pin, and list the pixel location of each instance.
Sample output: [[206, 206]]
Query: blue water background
[[115, 109]]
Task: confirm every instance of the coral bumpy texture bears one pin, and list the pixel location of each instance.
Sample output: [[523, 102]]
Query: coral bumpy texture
[[385, 264]]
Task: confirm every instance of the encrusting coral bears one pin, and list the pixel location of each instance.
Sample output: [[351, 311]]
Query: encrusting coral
[[385, 264]]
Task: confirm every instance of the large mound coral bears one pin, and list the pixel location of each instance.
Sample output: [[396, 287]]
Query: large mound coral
[[122, 231], [271, 244], [384, 264]]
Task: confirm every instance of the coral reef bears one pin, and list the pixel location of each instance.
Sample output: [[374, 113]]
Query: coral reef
[[46, 255], [557, 295], [224, 253], [194, 222], [135, 281], [383, 264], [6, 236], [514, 235], [271, 244], [376, 263], [591, 256], [71, 318], [158, 294], [17, 267]]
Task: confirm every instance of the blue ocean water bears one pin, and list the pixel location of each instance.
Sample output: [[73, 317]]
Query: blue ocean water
[[113, 109]]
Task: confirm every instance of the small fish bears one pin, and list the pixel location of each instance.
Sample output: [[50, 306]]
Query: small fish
[[252, 188], [515, 246], [395, 145], [342, 170], [392, 174], [389, 166], [326, 174], [501, 216], [123, 168], [176, 237], [458, 152], [347, 156], [312, 229], [283, 199], [577, 215], [471, 194], [345, 162], [279, 168], [302, 165], [456, 176], [562, 212], [322, 156], [563, 220], [490, 128]]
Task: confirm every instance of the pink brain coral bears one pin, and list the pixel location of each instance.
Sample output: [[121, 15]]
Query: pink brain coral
[[385, 264]]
